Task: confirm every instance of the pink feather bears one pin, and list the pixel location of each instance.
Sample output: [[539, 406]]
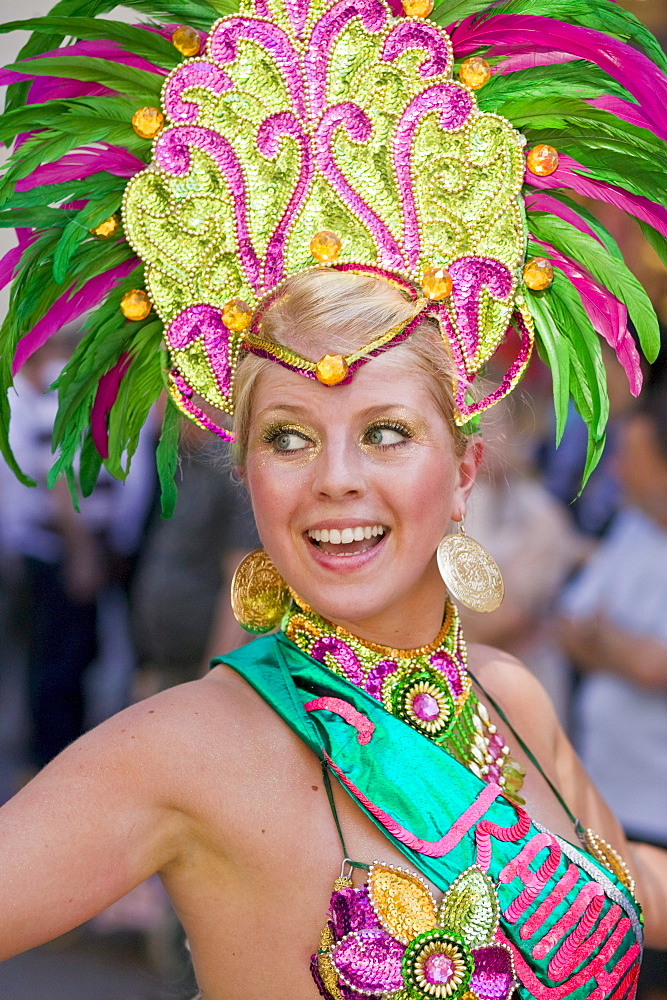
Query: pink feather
[[608, 316], [68, 308], [528, 60], [541, 202], [628, 112], [107, 393], [82, 163], [568, 175], [509, 34], [103, 50]]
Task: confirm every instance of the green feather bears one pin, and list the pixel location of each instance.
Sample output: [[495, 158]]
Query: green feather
[[167, 458], [574, 79], [452, 11], [138, 85], [600, 231], [556, 354], [78, 230], [50, 194], [607, 270], [140, 388], [146, 44], [35, 218], [90, 465]]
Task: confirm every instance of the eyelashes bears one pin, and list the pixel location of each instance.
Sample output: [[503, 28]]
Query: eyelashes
[[375, 434], [380, 435]]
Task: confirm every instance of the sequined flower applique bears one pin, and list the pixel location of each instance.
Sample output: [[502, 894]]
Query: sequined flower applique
[[390, 940]]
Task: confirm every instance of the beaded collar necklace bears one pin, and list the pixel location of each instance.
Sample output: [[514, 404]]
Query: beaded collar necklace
[[429, 688]]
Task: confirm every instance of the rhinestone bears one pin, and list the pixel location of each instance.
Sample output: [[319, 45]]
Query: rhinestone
[[417, 8], [438, 968], [186, 40], [325, 245], [107, 229], [331, 369], [437, 283], [236, 315], [425, 706], [135, 305], [147, 122], [538, 273], [542, 160], [475, 72]]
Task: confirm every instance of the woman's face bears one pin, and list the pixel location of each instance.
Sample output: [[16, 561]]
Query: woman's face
[[353, 487]]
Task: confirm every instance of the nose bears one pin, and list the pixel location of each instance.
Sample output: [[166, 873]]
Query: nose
[[338, 472]]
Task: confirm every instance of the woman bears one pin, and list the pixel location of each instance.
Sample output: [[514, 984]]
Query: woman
[[348, 360]]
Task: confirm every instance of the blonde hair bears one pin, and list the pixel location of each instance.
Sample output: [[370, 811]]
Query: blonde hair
[[329, 311]]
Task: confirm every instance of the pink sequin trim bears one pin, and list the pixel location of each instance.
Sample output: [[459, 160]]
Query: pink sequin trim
[[359, 128], [197, 73], [588, 892], [419, 35], [195, 411], [486, 829], [172, 153], [593, 971], [431, 849], [564, 885], [365, 728]]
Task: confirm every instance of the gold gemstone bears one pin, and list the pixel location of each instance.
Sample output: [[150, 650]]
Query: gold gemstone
[[107, 229], [186, 40], [437, 283], [417, 8], [331, 369], [236, 315], [538, 273], [325, 245], [475, 72], [147, 122], [542, 160], [135, 305]]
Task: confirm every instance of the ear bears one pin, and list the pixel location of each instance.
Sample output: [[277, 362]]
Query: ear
[[469, 464]]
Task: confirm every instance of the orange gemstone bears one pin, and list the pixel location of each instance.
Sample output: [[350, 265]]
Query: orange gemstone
[[436, 283], [542, 160], [331, 369], [107, 229], [186, 40], [538, 273], [475, 72], [325, 245], [147, 122], [236, 315], [417, 8], [135, 305]]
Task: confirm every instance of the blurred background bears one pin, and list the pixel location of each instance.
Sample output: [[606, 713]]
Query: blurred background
[[103, 608]]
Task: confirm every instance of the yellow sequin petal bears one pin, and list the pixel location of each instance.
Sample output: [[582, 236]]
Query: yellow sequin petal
[[402, 902]]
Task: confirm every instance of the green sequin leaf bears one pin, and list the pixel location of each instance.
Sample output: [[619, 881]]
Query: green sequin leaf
[[470, 908]]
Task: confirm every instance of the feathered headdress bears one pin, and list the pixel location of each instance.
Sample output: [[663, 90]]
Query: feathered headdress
[[440, 153]]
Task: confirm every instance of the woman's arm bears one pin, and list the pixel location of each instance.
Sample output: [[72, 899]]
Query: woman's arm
[[92, 825]]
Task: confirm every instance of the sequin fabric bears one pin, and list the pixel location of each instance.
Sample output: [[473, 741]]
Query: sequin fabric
[[328, 115], [389, 939], [429, 688]]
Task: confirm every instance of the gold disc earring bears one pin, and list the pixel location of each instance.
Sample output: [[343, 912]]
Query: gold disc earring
[[470, 573], [260, 596]]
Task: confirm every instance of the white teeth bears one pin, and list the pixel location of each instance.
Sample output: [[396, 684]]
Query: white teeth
[[344, 536]]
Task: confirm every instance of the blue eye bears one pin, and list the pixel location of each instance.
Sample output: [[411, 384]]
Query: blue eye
[[386, 435], [288, 440]]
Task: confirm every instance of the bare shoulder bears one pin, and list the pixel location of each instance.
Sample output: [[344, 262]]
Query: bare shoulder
[[518, 693]]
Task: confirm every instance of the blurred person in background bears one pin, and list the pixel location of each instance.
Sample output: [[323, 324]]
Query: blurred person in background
[[70, 563], [531, 537], [181, 593], [615, 631]]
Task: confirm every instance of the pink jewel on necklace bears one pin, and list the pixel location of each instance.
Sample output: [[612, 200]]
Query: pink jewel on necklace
[[425, 706], [438, 968]]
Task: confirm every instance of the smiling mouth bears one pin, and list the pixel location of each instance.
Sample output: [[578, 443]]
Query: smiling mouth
[[347, 541]]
